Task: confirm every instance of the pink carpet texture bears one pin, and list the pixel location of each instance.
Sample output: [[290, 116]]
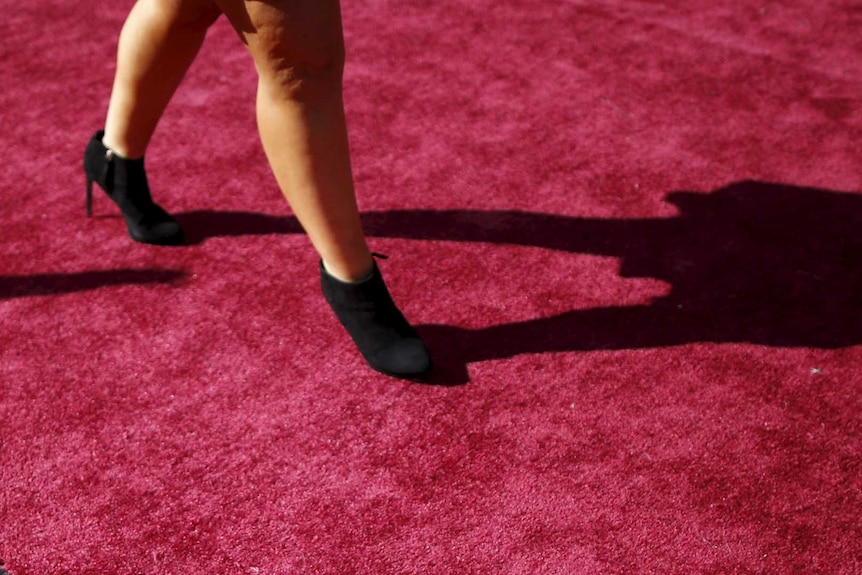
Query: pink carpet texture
[[629, 230]]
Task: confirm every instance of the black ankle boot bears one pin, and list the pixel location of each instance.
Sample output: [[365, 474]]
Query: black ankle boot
[[388, 343], [125, 182]]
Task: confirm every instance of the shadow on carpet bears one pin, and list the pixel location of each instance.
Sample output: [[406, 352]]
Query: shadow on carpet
[[61, 283], [752, 262]]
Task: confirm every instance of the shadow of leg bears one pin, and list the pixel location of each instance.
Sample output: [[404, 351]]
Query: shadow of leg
[[56, 284]]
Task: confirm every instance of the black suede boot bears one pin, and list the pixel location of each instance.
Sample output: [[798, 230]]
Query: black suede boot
[[125, 182], [388, 343]]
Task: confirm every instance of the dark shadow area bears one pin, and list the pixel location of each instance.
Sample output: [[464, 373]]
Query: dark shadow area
[[55, 284], [753, 262], [200, 225]]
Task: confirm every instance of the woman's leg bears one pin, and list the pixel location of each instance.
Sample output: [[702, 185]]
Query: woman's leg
[[298, 50], [158, 43]]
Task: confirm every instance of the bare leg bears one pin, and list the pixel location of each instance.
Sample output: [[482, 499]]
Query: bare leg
[[159, 41], [298, 50]]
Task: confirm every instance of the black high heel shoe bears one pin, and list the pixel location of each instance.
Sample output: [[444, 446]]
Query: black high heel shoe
[[388, 343], [125, 182]]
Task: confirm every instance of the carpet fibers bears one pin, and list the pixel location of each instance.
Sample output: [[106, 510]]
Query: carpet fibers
[[629, 230]]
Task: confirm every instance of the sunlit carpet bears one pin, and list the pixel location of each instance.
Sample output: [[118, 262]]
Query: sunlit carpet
[[630, 232]]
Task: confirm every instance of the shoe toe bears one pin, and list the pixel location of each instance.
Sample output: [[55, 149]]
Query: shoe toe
[[404, 358], [163, 233]]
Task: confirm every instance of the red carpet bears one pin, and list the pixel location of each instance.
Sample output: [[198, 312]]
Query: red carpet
[[630, 231]]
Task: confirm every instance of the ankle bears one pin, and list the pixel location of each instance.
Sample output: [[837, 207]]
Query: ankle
[[350, 273], [120, 149]]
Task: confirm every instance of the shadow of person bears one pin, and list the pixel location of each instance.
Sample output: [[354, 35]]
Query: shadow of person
[[752, 262], [61, 283]]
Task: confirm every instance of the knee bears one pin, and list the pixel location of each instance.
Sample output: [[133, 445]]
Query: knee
[[297, 60], [297, 72]]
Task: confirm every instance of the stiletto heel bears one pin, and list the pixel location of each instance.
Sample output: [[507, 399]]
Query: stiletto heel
[[125, 182], [385, 339], [89, 197]]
